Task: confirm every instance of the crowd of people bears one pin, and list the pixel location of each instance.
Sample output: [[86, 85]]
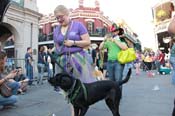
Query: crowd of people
[[7, 102], [74, 55]]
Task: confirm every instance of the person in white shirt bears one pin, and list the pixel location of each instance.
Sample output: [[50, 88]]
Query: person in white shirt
[[50, 68]]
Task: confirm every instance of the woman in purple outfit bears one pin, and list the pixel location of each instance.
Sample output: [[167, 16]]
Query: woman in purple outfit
[[70, 38]]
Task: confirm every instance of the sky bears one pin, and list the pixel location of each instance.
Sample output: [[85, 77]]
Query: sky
[[136, 13]]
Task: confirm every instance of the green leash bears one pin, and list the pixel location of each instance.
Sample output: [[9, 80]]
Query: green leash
[[84, 91], [72, 98]]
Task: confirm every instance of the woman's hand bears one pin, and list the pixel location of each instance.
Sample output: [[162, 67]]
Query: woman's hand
[[69, 43], [120, 44], [50, 51], [11, 75], [111, 39]]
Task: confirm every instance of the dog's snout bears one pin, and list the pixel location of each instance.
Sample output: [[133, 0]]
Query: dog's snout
[[51, 81]]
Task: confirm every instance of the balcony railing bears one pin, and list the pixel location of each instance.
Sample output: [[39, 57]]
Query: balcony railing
[[96, 35], [49, 37], [44, 37], [9, 43]]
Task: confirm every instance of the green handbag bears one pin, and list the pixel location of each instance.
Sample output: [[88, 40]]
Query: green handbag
[[126, 56]]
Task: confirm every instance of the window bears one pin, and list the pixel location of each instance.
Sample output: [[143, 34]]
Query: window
[[90, 27]]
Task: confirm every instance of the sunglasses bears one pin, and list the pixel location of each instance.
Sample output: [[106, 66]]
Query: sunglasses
[[60, 17]]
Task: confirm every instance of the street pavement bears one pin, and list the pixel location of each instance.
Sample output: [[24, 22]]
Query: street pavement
[[142, 96]]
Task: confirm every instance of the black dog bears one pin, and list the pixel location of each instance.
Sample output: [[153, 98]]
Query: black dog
[[82, 95]]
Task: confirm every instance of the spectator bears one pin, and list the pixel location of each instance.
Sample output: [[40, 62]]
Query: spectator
[[103, 61], [172, 55], [160, 60], [129, 44], [172, 59], [138, 62], [114, 46], [46, 56], [148, 63], [87, 49], [22, 80], [94, 56], [6, 102], [41, 65], [53, 63], [97, 58], [28, 65], [50, 68]]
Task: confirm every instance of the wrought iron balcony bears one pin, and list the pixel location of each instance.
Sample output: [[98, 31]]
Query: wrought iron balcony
[[9, 43], [44, 37]]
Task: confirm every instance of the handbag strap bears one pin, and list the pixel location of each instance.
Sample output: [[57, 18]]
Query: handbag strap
[[62, 44], [65, 36]]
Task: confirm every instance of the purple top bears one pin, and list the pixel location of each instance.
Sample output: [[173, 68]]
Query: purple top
[[76, 29]]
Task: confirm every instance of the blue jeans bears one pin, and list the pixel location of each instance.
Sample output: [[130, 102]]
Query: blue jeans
[[40, 72], [126, 68], [115, 70], [50, 73], [172, 62], [158, 65], [14, 86], [29, 73], [8, 100]]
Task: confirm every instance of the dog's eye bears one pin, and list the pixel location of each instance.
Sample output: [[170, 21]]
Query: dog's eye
[[63, 81]]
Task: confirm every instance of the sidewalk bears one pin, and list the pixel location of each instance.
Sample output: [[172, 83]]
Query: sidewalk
[[139, 99]]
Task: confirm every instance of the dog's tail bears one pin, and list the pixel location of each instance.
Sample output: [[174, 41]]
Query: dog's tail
[[126, 78]]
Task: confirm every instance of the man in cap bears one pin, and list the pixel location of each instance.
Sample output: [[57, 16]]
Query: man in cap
[[114, 46]]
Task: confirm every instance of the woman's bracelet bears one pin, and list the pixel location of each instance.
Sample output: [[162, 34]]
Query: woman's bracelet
[[74, 43]]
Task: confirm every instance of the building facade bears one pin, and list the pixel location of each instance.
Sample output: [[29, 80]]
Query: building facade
[[22, 26], [162, 15], [92, 17], [19, 29]]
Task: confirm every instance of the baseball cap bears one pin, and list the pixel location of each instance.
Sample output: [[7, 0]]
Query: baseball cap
[[114, 27]]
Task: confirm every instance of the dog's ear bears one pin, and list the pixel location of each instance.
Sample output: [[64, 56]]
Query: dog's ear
[[64, 80], [63, 74], [59, 77], [54, 81]]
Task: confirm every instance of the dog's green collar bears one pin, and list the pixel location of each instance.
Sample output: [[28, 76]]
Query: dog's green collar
[[72, 88], [84, 91], [72, 97]]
